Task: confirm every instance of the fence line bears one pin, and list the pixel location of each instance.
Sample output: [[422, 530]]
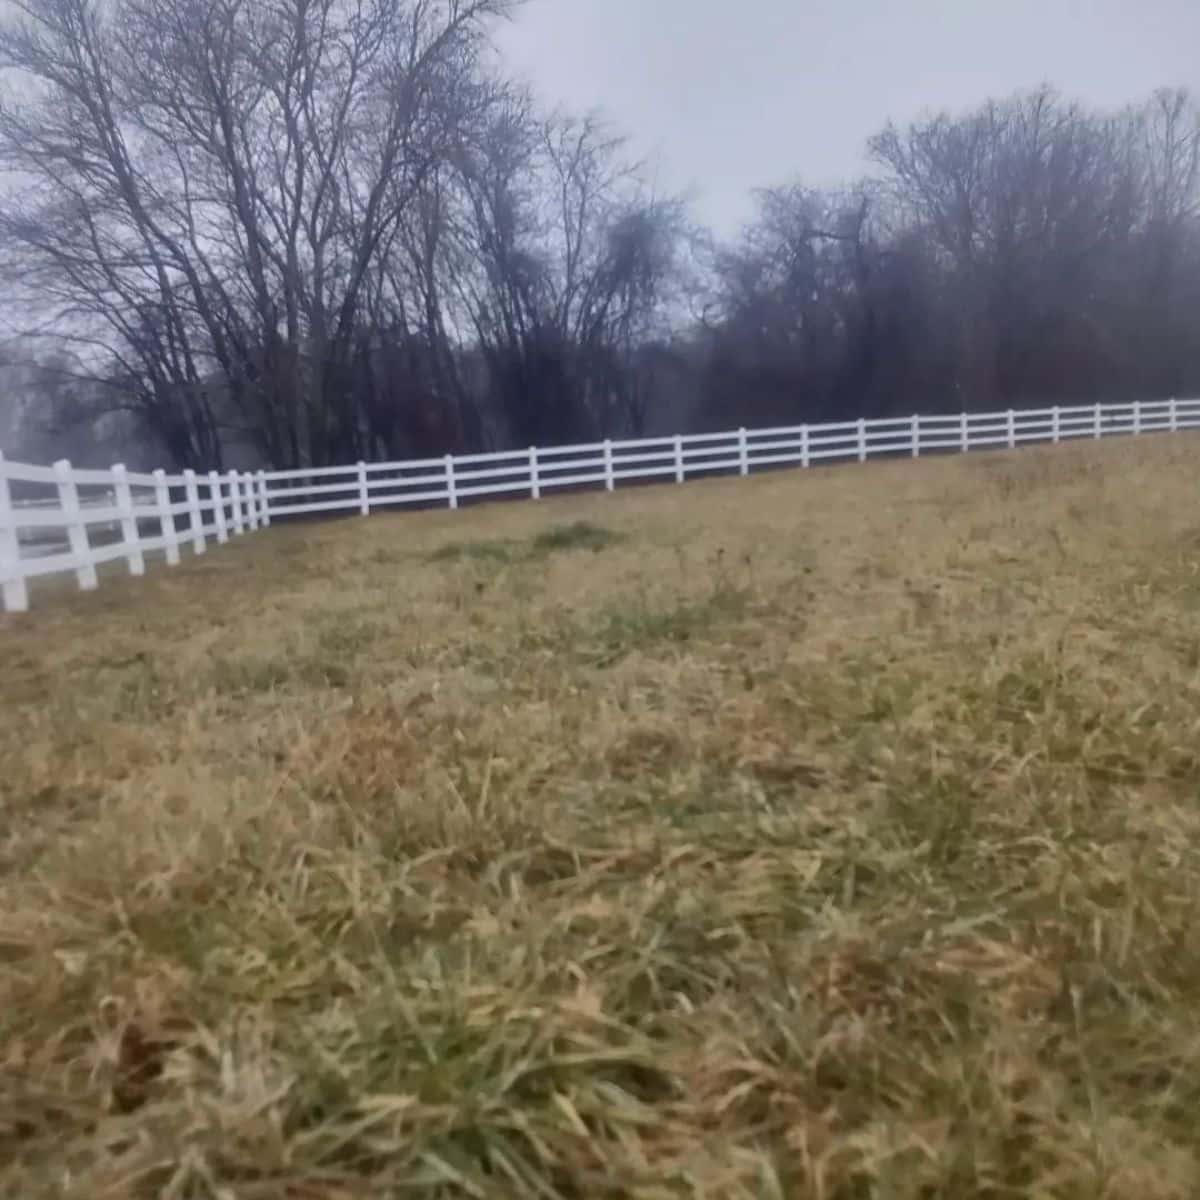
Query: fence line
[[146, 511], [95, 517]]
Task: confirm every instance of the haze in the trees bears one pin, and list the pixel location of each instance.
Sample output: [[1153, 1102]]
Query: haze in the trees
[[311, 231]]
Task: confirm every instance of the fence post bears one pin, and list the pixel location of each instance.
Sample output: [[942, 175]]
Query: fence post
[[451, 486], [235, 505], [805, 454], [1173, 410], [218, 503], [251, 501], [1137, 416], [535, 482], [247, 496], [610, 481], [130, 534], [166, 518], [862, 440], [964, 433], [1012, 429], [1056, 425], [1096, 420], [264, 501], [679, 473], [194, 514], [743, 452], [364, 497], [68, 498], [12, 583], [916, 435]]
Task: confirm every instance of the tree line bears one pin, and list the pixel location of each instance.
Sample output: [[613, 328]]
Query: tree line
[[312, 231]]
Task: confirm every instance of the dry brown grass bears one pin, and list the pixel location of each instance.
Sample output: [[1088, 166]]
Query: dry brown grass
[[825, 835]]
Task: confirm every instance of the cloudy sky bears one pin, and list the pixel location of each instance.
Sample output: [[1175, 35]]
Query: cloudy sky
[[728, 95]]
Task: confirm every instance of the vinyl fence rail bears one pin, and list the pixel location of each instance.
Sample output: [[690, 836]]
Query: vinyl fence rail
[[95, 517]]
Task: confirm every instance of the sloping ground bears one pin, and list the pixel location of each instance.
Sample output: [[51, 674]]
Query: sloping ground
[[829, 834]]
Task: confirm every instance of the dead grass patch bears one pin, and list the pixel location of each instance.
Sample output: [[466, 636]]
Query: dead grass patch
[[827, 834]]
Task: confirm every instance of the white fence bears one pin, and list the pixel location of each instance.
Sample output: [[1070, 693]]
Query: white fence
[[220, 505], [538, 471], [148, 513]]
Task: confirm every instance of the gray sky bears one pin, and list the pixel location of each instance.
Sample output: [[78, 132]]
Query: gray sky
[[728, 95]]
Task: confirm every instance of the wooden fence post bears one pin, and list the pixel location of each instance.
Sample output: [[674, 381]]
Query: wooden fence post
[[916, 435], [195, 516], [130, 534], [610, 479], [218, 503], [1137, 416], [743, 452], [1096, 430], [68, 498], [679, 468], [1056, 425], [12, 583], [862, 440], [1012, 429], [166, 518], [451, 485], [964, 433], [805, 452], [1173, 412]]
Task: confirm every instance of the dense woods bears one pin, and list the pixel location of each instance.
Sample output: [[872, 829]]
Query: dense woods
[[302, 232]]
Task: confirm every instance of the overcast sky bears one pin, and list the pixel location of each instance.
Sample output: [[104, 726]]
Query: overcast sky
[[728, 95]]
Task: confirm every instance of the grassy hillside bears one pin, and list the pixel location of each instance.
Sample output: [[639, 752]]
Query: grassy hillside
[[819, 835]]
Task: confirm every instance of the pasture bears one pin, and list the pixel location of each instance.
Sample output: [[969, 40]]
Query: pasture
[[831, 834]]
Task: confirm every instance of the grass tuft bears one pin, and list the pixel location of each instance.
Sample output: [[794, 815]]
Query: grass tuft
[[579, 535], [481, 552]]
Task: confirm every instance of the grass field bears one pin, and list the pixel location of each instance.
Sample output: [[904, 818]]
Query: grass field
[[829, 834]]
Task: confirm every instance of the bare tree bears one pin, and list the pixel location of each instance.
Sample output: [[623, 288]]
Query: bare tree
[[213, 181], [565, 267]]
